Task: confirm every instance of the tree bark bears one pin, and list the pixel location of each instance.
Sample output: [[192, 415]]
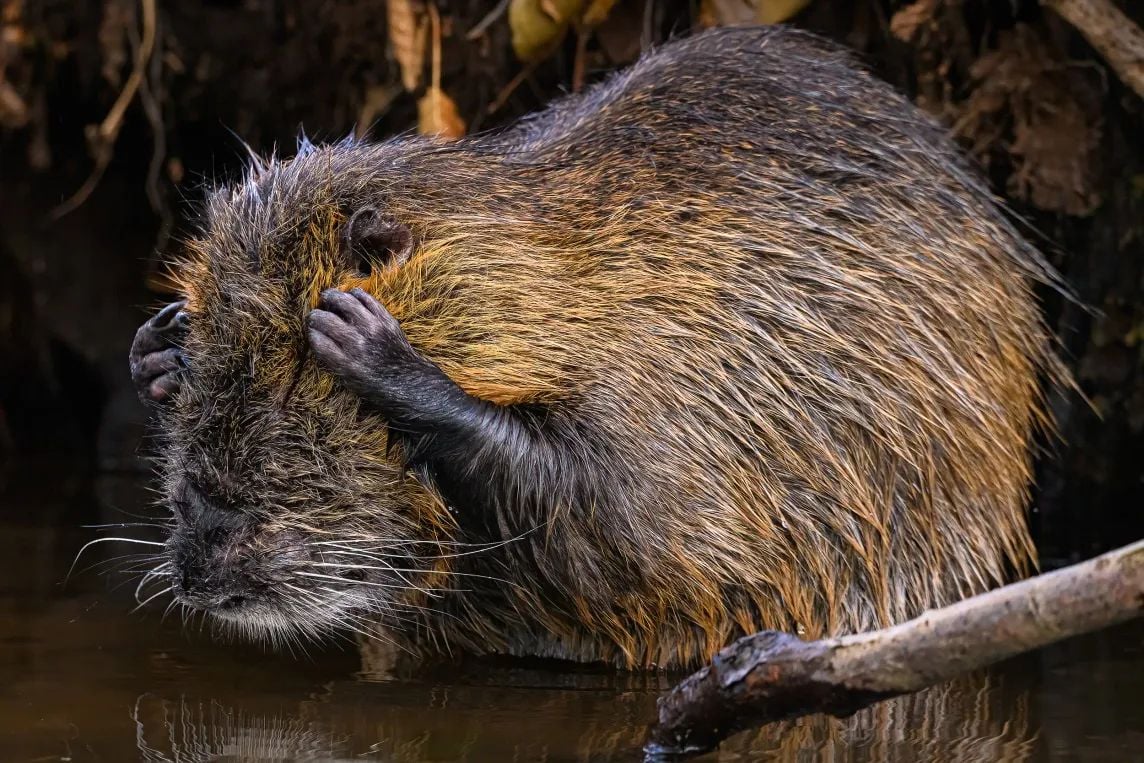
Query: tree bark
[[771, 676], [1112, 34]]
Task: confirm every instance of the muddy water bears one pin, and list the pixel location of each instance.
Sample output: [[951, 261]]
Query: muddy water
[[84, 678]]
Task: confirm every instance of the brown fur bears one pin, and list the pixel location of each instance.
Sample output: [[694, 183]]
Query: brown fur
[[795, 338]]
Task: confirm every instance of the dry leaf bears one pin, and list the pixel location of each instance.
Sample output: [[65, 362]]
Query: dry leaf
[[744, 12], [11, 11], [437, 115], [175, 170], [1025, 86], [727, 12], [13, 110], [778, 11], [619, 34], [907, 22], [408, 32], [538, 25], [377, 100], [596, 12]]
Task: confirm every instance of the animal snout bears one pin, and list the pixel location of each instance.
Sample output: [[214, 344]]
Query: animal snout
[[211, 559]]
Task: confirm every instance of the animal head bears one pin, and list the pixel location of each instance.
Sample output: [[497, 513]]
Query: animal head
[[289, 514]]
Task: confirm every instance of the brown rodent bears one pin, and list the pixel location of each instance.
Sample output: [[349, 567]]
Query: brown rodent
[[731, 341]]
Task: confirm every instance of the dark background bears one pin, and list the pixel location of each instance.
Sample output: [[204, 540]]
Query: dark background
[[1058, 135]]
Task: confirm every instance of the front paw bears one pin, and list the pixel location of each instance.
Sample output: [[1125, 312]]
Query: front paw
[[355, 338], [157, 360]]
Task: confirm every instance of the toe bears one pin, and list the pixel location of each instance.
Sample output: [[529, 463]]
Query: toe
[[368, 301], [345, 305]]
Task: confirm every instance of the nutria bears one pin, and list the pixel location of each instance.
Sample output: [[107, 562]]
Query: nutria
[[732, 341]]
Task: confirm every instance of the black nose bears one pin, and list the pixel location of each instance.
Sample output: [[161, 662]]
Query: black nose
[[196, 581], [207, 565]]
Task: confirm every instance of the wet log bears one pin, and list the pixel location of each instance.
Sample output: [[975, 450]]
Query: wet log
[[772, 676]]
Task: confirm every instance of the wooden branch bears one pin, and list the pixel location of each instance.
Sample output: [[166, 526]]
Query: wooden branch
[[1111, 32], [772, 676]]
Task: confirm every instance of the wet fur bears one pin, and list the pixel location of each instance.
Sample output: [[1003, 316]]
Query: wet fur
[[774, 349]]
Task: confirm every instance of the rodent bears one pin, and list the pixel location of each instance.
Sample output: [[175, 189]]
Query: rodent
[[734, 340]]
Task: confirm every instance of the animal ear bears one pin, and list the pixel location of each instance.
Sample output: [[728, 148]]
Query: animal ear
[[375, 241]]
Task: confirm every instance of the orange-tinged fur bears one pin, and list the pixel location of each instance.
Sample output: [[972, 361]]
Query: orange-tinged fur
[[795, 340]]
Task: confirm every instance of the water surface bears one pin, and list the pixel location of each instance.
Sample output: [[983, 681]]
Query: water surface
[[83, 678]]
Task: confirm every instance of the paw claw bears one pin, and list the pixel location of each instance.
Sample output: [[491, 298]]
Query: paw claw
[[157, 362], [170, 318]]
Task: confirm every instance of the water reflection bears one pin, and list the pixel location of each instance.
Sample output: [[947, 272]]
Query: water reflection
[[82, 679], [976, 721], [186, 732]]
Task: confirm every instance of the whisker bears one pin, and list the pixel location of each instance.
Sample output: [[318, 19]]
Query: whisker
[[367, 629], [171, 605], [476, 548], [424, 611], [91, 543], [344, 581], [152, 574], [402, 569], [334, 592], [152, 597], [126, 524], [386, 568], [124, 559]]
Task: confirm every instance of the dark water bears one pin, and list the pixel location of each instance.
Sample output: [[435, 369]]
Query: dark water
[[83, 678]]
